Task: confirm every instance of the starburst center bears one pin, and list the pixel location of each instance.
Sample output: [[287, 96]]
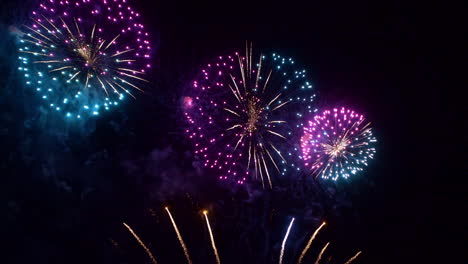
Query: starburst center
[[336, 149], [254, 111]]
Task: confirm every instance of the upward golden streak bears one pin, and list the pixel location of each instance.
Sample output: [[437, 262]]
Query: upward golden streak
[[110, 43], [213, 245], [266, 170], [310, 242], [353, 258], [321, 253], [141, 243], [179, 236]]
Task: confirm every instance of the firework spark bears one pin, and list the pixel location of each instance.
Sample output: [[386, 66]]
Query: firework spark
[[179, 236], [242, 113], [353, 258], [141, 243], [337, 143], [284, 241], [310, 242], [83, 57], [213, 245], [321, 253], [215, 250]]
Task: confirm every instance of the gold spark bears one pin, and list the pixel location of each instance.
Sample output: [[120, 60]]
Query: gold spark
[[321, 253], [213, 245], [179, 236], [229, 110], [353, 258], [132, 76], [284, 241], [310, 242], [141, 243], [275, 133], [266, 170], [110, 43], [61, 68], [78, 72]]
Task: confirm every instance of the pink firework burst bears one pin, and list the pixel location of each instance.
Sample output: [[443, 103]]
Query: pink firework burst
[[242, 114], [337, 143]]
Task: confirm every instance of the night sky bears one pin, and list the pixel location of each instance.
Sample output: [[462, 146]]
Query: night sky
[[66, 188]]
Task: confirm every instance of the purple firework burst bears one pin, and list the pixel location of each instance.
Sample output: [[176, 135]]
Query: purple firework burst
[[242, 112], [84, 56], [337, 143]]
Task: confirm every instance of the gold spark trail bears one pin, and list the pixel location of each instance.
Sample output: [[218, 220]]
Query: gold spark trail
[[179, 236], [141, 243], [310, 242], [353, 258], [213, 245]]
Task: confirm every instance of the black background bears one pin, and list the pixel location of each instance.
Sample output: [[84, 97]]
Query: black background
[[66, 189]]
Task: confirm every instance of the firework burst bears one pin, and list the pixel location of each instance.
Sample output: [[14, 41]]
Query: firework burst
[[243, 112], [84, 56], [337, 143]]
